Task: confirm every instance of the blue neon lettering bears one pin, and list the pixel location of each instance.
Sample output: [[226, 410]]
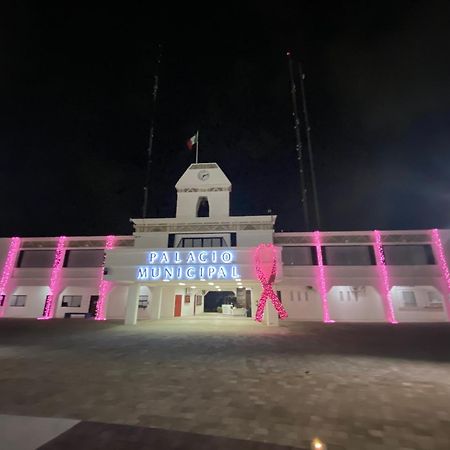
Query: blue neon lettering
[[168, 272], [152, 256], [142, 273], [226, 257]]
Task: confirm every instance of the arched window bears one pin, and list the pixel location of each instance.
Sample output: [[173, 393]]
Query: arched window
[[202, 207]]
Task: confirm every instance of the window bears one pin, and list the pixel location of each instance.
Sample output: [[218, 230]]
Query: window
[[202, 242], [408, 255], [18, 300], [143, 301], [202, 207], [197, 242], [434, 300], [349, 255], [409, 299], [341, 296], [2, 300], [84, 258], [306, 296], [298, 256], [299, 296], [291, 295], [36, 258], [71, 301]]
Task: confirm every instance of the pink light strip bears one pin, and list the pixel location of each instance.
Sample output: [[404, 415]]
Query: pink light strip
[[439, 250], [49, 309], [266, 283], [14, 247], [320, 275], [105, 286], [381, 264]]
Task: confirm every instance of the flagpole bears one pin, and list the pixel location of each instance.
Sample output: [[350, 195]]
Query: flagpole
[[196, 150]]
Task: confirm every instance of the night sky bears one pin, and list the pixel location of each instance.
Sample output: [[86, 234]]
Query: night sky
[[75, 108]]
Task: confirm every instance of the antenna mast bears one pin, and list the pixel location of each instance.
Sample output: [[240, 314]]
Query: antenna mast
[[299, 147], [309, 146], [152, 132]]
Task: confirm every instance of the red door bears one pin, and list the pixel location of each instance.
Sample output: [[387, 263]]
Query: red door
[[177, 310]]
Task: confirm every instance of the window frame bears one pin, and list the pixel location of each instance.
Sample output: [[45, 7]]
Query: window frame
[[14, 298], [69, 302]]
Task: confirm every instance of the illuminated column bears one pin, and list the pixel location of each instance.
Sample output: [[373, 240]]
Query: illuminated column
[[443, 266], [55, 278], [271, 315], [385, 284], [14, 247], [160, 297], [320, 278], [105, 286], [131, 311]]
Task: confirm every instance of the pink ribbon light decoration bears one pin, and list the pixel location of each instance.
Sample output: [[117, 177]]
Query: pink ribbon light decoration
[[267, 283]]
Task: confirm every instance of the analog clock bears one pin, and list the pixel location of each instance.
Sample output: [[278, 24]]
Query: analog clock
[[203, 175]]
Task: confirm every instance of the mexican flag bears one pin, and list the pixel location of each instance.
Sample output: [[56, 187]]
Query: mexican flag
[[192, 141]]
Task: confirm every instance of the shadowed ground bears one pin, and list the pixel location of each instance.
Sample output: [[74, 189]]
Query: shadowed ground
[[356, 386]]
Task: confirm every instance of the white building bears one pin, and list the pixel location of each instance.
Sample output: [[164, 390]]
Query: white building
[[168, 266]]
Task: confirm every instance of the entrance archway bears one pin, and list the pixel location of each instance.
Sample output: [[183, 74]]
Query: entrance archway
[[215, 299]]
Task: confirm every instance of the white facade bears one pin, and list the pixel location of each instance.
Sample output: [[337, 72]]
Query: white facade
[[168, 265]]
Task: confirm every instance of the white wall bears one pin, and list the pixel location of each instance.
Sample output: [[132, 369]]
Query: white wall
[[145, 313], [219, 203], [253, 238], [85, 292], [116, 302], [4, 247], [420, 313], [151, 240], [35, 302], [168, 302], [345, 305], [301, 303]]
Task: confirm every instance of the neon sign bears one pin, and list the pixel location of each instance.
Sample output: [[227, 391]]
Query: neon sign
[[189, 265]]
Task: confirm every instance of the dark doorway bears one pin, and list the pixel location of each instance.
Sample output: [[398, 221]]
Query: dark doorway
[[93, 305], [45, 304], [215, 299], [203, 207]]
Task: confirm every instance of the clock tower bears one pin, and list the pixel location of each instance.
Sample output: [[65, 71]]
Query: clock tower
[[203, 191]]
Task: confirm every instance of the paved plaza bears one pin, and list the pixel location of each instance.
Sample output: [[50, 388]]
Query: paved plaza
[[355, 386]]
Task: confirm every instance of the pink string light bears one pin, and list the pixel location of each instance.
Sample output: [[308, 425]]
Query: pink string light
[[439, 250], [50, 303], [381, 263], [321, 278], [267, 283], [105, 286], [14, 247]]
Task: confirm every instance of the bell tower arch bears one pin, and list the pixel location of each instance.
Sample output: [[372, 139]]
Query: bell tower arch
[[203, 191]]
